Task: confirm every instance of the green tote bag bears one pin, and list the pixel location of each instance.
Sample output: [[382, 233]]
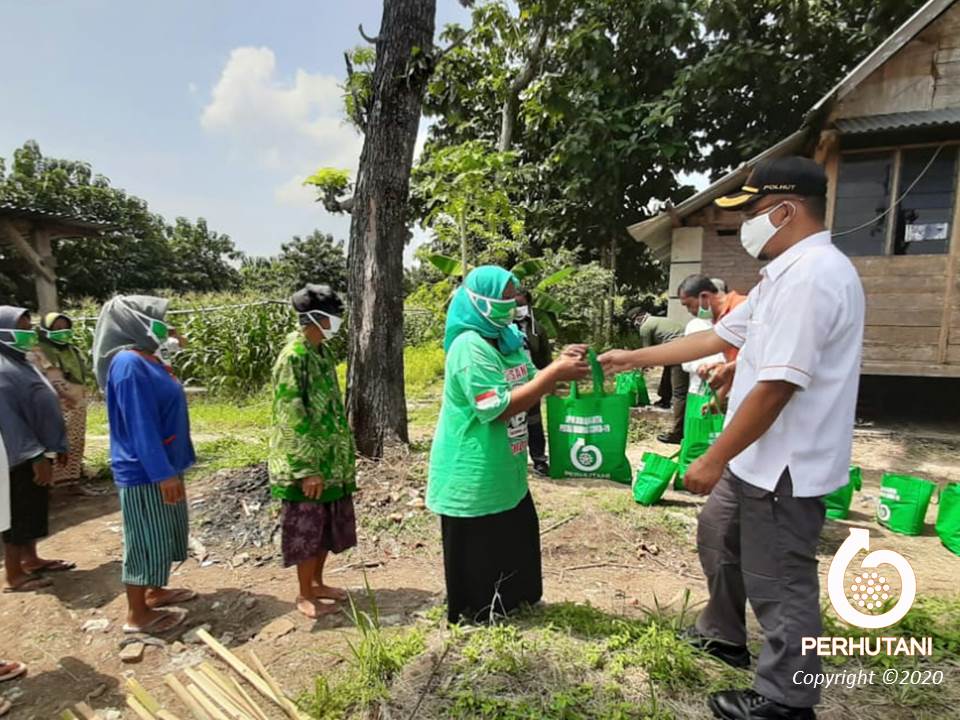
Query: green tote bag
[[588, 432], [903, 503], [948, 518], [633, 385], [653, 478], [838, 502], [700, 432]]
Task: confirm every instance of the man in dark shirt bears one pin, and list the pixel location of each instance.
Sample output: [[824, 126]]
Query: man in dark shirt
[[537, 344]]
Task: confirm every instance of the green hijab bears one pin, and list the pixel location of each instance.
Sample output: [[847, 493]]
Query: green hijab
[[471, 306]]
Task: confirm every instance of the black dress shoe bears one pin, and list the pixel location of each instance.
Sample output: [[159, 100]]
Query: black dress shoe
[[736, 656], [751, 705], [542, 468], [670, 438]]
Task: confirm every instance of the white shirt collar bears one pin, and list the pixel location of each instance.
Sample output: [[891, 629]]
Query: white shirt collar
[[776, 267]]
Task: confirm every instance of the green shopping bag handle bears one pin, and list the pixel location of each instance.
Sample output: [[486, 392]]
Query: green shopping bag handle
[[597, 370]]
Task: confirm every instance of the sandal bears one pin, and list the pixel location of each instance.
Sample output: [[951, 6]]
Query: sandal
[[19, 669], [52, 566], [164, 623], [174, 597], [29, 585]]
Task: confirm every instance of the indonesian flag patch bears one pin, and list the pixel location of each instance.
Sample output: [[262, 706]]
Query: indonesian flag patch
[[487, 400]]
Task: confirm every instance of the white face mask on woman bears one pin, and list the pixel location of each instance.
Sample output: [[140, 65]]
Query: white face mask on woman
[[756, 232]]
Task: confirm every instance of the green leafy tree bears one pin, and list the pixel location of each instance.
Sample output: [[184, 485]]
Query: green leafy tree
[[465, 193], [136, 252], [316, 258], [203, 260]]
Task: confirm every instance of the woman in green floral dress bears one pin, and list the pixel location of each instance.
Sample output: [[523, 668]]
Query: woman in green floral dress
[[312, 456]]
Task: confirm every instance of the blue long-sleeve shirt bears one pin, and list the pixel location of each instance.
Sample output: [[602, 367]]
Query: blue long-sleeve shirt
[[149, 423]]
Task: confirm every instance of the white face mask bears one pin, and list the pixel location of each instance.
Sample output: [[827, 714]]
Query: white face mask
[[523, 311], [335, 323], [756, 232]]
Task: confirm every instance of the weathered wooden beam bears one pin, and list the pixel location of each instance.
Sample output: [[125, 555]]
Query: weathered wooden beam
[[11, 234], [951, 286]]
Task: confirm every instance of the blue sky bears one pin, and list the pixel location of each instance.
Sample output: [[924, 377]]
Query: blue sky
[[212, 108]]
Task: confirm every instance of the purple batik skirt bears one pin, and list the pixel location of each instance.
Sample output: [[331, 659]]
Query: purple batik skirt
[[310, 529]]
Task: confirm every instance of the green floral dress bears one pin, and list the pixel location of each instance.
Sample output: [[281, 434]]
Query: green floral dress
[[310, 435]]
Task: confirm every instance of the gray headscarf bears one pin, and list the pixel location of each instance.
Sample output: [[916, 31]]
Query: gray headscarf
[[9, 317], [120, 328]]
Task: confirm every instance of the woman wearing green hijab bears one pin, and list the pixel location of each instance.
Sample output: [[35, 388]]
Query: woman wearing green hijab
[[60, 360], [478, 462]]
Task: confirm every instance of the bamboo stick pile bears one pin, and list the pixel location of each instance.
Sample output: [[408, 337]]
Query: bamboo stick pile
[[206, 693]]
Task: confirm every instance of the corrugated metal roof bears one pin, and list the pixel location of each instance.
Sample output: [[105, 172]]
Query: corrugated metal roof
[[12, 209], [899, 121], [656, 231]]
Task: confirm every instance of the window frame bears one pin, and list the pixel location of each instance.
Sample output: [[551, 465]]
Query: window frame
[[890, 231]]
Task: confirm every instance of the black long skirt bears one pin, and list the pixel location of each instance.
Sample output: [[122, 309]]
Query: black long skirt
[[492, 563], [29, 507]]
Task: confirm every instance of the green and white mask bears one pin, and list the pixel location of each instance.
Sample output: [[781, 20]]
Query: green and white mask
[[498, 311], [157, 330], [21, 340]]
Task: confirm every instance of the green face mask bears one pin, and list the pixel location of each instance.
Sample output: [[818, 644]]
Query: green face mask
[[705, 313], [500, 312], [158, 330], [22, 340], [61, 337]]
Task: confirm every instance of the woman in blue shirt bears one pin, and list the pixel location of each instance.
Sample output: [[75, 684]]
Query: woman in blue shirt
[[150, 449]]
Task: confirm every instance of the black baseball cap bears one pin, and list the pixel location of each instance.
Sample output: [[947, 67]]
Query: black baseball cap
[[781, 176]]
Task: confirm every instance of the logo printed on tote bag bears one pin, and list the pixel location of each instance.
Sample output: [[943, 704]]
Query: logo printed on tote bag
[[585, 457]]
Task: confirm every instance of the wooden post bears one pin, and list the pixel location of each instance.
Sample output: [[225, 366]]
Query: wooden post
[[950, 292], [46, 285]]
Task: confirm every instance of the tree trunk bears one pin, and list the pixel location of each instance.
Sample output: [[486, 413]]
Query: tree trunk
[[463, 246], [378, 229]]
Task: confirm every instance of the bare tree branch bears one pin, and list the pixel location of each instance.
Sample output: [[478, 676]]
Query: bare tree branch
[[359, 115], [441, 54], [512, 102], [332, 205], [371, 40]]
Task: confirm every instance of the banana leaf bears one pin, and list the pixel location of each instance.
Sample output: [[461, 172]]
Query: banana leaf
[[446, 265]]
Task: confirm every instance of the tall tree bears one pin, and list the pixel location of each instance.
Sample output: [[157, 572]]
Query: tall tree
[[379, 219]]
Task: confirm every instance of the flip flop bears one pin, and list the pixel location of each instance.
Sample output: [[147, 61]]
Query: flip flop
[[164, 623], [20, 669], [29, 585], [5, 707], [53, 566], [183, 595]]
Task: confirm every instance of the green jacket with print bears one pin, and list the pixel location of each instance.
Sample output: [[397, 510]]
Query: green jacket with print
[[310, 435]]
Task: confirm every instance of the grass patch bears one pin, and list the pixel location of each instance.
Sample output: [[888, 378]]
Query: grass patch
[[231, 451], [376, 657]]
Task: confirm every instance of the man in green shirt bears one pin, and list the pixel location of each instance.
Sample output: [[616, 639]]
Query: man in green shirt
[[312, 456], [659, 331]]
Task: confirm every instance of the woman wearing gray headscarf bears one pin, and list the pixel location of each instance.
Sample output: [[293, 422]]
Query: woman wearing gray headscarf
[[33, 431], [150, 449]]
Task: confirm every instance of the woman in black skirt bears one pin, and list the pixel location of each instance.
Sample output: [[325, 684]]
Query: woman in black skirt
[[478, 462], [33, 431]]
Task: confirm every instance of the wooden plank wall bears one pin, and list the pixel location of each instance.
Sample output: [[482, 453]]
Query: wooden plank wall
[[905, 298], [923, 75]]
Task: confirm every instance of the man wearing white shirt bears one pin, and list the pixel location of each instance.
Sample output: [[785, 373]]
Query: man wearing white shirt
[[787, 440]]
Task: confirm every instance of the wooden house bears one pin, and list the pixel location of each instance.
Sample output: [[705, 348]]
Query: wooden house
[[888, 136]]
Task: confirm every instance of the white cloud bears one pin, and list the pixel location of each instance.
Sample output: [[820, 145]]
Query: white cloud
[[293, 194], [287, 125]]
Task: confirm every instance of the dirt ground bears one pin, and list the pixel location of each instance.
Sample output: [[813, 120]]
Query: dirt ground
[[598, 547]]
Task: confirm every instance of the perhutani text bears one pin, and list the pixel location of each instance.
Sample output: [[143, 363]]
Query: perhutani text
[[869, 646]]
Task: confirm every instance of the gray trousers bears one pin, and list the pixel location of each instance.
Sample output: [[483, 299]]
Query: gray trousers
[[762, 546]]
